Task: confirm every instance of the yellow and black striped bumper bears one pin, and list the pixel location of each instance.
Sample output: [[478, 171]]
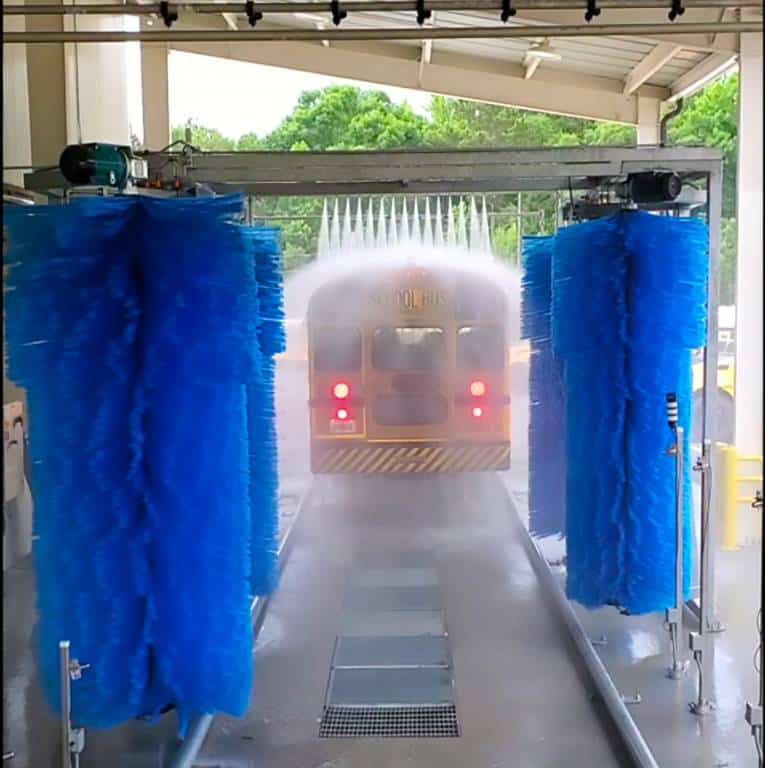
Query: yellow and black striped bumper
[[402, 458]]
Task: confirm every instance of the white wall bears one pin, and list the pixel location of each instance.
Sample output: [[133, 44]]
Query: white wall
[[17, 145], [749, 290], [96, 82]]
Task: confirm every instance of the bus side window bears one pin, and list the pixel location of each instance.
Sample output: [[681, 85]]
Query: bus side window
[[481, 347], [336, 349]]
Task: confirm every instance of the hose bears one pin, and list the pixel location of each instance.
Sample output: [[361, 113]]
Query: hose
[[665, 120]]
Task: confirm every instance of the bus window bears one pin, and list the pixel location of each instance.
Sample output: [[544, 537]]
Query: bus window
[[481, 346], [408, 349], [337, 349]]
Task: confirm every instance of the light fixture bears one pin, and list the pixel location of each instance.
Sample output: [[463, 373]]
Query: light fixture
[[542, 52]]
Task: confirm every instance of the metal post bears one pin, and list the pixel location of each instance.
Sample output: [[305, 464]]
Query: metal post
[[66, 703], [674, 615], [72, 739], [754, 713], [698, 642], [709, 538], [519, 231]]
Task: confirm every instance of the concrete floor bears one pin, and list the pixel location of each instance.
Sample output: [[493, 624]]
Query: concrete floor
[[521, 700], [637, 654]]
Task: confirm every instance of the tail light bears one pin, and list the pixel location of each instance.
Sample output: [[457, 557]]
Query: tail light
[[477, 412], [477, 388], [341, 414], [341, 390]]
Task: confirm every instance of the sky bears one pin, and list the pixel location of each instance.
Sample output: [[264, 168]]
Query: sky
[[239, 97]]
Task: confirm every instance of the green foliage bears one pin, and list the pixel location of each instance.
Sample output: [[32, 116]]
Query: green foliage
[[346, 118], [458, 123], [710, 118], [202, 137], [728, 251]]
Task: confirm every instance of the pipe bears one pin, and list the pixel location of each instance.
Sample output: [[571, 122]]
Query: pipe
[[391, 33], [665, 121], [66, 703], [314, 6]]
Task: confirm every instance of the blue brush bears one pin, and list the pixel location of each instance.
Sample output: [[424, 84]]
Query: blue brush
[[628, 307], [133, 324], [261, 407], [547, 463]]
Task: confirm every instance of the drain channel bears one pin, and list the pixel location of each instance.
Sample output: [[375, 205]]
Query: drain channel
[[340, 722], [391, 673]]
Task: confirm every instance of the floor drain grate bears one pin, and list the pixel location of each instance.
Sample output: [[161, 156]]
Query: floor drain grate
[[432, 722]]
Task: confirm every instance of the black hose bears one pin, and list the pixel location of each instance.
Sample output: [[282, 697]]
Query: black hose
[[665, 120]]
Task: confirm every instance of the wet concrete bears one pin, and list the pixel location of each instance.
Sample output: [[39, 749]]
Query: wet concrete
[[521, 700]]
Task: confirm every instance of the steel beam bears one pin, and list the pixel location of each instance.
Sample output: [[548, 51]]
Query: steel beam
[[449, 74], [387, 33], [354, 6], [415, 171]]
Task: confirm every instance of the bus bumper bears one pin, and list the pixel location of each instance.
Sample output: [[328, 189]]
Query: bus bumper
[[408, 458]]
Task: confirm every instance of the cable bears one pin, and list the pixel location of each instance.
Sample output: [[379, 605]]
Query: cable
[[77, 82]]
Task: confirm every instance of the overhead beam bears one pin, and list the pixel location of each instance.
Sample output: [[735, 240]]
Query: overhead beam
[[448, 74], [650, 65], [287, 34], [725, 41], [354, 6], [695, 79]]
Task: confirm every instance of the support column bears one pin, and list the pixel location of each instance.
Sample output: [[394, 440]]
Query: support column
[[97, 90], [749, 271], [17, 146], [46, 82], [649, 118], [76, 92], [156, 99]]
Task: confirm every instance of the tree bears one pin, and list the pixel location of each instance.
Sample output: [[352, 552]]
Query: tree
[[202, 137], [344, 117], [710, 119], [455, 122]]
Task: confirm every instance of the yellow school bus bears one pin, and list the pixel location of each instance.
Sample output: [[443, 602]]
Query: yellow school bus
[[408, 372]]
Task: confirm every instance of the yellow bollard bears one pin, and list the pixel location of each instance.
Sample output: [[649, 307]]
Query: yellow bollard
[[729, 466]]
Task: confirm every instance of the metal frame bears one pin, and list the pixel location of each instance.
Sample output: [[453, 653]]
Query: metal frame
[[353, 6], [264, 174], [286, 34]]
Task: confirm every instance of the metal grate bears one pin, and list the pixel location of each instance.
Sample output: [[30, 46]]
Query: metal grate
[[431, 722]]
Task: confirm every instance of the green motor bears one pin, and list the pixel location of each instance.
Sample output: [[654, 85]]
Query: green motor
[[99, 165]]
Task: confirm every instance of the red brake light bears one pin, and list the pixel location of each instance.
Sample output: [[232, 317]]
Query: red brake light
[[341, 390], [477, 412], [341, 414], [477, 388]]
